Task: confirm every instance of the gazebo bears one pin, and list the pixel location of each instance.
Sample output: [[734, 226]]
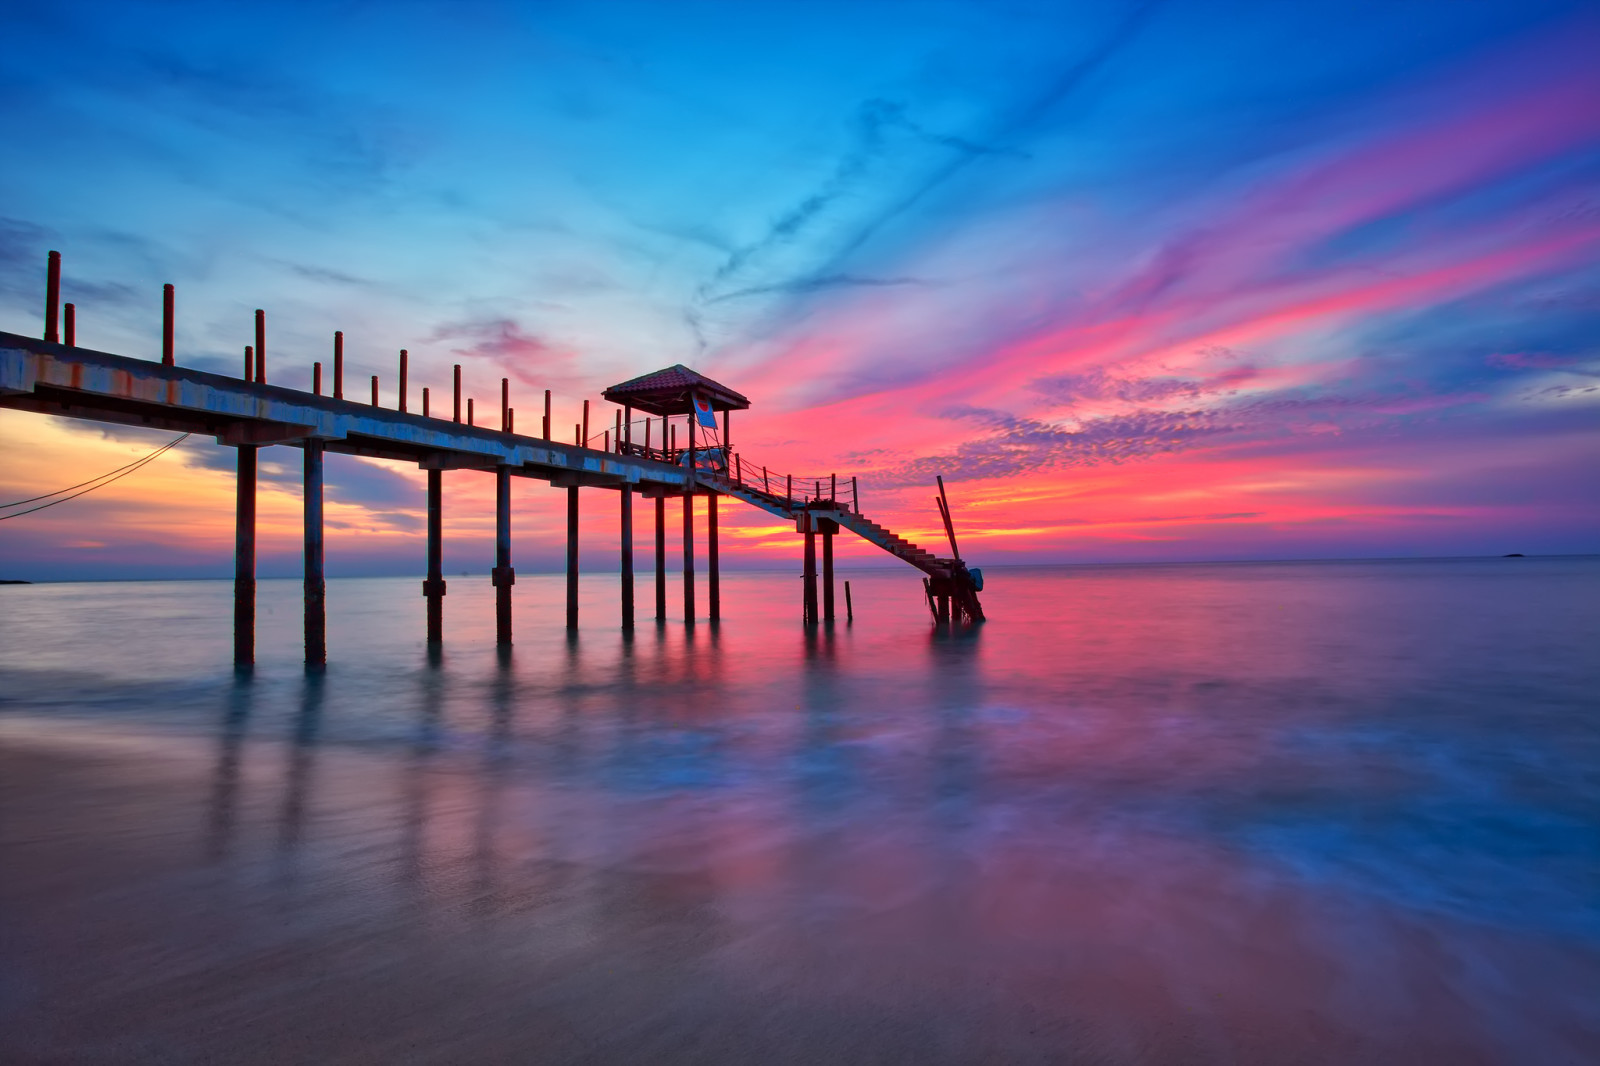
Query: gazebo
[[676, 390]]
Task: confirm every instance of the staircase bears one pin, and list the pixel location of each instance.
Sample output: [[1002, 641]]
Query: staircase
[[950, 575]]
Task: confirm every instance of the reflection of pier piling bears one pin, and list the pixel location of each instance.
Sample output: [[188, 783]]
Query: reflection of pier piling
[[248, 414]]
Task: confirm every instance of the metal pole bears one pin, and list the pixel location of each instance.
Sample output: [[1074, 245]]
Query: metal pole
[[572, 557], [374, 390], [546, 414], [405, 359], [316, 379], [261, 346], [855, 495], [167, 311], [433, 588], [713, 565], [316, 588], [458, 392], [244, 560], [661, 557], [585, 441], [505, 405], [338, 364], [949, 527], [249, 362], [503, 576], [69, 324], [469, 411], [827, 573], [424, 401], [52, 296], [627, 556], [849, 610], [809, 574]]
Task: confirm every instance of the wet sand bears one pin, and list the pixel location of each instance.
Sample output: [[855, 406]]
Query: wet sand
[[168, 898]]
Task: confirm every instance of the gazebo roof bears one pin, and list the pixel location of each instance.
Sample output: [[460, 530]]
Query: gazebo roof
[[667, 392]]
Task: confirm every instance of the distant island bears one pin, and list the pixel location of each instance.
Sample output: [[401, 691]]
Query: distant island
[[1513, 555], [6, 581]]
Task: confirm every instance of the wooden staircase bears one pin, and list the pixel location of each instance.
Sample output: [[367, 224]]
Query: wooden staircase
[[946, 576]]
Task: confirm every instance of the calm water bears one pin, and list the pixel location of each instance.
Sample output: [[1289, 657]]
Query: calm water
[[1313, 812]]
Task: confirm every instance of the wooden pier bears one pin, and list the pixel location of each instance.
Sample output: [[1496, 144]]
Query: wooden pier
[[58, 378]]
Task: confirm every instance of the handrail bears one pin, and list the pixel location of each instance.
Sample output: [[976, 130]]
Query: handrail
[[812, 489]]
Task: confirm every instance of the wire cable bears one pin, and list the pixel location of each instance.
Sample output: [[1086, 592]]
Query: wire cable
[[94, 483]]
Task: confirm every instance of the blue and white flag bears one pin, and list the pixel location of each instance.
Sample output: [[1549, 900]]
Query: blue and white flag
[[703, 412]]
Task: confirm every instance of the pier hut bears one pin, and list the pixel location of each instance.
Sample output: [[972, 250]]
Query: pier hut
[[55, 376]]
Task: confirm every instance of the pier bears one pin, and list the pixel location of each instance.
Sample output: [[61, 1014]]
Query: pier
[[54, 376]]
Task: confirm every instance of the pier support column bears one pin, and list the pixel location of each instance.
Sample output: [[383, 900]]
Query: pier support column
[[828, 529], [661, 558], [244, 560], [627, 557], [688, 556], [809, 602], [572, 557], [713, 564], [433, 587], [503, 576], [316, 587]]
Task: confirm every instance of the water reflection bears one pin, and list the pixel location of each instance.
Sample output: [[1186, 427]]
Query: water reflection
[[224, 803]]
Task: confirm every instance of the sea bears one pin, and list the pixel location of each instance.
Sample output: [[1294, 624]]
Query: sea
[[1277, 812]]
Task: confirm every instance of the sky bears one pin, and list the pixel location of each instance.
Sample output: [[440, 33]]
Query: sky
[[1143, 280]]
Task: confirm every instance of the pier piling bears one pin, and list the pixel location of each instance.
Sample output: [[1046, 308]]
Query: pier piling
[[713, 564], [661, 558], [316, 587], [688, 556], [828, 529], [626, 560], [572, 557], [808, 609], [244, 560], [503, 576], [433, 588]]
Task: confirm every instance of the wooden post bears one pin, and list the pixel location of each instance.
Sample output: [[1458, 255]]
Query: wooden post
[[849, 609], [713, 566], [503, 576], [661, 557], [249, 362], [546, 414], [688, 524], [827, 570], [458, 392], [52, 296], [69, 325], [949, 527], [316, 587], [809, 574], [627, 557], [168, 353], [261, 347], [316, 379], [405, 358], [244, 560], [338, 364], [434, 587]]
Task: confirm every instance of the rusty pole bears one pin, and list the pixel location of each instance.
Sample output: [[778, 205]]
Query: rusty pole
[[168, 309], [69, 324], [546, 414], [374, 390], [584, 436], [405, 358], [249, 362], [52, 296], [338, 364], [458, 392], [261, 347], [505, 405], [316, 378], [424, 401]]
